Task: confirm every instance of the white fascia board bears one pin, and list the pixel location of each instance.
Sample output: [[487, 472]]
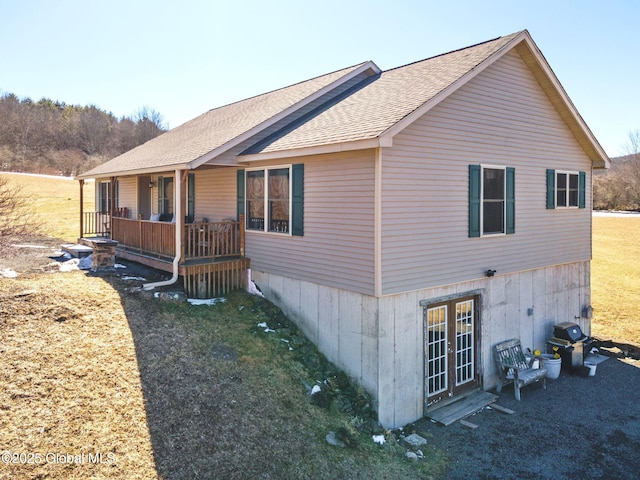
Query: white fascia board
[[307, 151], [369, 65], [315, 150], [140, 171]]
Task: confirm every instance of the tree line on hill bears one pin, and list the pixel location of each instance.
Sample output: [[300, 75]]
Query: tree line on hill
[[49, 136], [619, 187]]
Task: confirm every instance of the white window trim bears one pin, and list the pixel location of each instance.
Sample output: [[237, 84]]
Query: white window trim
[[555, 192], [266, 230], [504, 200]]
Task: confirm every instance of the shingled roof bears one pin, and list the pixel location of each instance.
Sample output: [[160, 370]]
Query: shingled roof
[[365, 115]]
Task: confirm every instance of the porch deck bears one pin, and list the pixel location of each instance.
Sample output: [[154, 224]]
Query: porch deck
[[212, 260]]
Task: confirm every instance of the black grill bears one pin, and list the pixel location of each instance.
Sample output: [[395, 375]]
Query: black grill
[[572, 345]]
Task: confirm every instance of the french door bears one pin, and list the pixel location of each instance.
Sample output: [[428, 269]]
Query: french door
[[451, 348]]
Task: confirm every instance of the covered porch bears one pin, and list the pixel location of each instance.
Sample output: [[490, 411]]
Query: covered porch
[[209, 255]]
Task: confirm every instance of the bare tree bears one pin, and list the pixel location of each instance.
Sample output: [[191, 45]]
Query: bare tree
[[619, 188], [15, 213], [149, 124]]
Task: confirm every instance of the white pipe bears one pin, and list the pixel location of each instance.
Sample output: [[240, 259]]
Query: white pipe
[[178, 217]]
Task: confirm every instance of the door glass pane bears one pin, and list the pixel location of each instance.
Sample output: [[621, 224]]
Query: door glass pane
[[465, 327], [436, 350]]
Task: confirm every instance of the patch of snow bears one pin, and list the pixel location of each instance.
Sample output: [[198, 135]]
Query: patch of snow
[[207, 301], [68, 266], [252, 288], [265, 326], [119, 265], [142, 279], [8, 273], [315, 389], [379, 439], [85, 263], [156, 295], [28, 246]]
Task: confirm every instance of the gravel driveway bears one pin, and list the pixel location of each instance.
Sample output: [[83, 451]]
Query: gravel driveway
[[578, 428]]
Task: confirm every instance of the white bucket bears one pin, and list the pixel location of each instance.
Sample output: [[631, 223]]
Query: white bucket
[[553, 365], [592, 368]]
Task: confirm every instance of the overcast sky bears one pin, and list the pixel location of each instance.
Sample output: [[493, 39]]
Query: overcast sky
[[184, 58]]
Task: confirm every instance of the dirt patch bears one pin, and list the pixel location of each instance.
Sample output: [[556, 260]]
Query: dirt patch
[[577, 428], [30, 254]]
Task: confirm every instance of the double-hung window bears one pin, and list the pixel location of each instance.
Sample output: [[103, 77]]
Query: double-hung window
[[491, 200], [103, 201], [565, 189], [268, 200], [273, 199]]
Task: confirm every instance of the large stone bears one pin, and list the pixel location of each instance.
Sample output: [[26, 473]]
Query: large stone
[[414, 441], [333, 440]]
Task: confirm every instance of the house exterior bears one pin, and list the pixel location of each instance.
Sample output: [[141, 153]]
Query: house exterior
[[407, 220]]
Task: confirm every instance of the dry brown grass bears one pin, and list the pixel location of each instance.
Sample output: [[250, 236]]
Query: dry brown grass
[[70, 382], [55, 202], [615, 279], [164, 390]]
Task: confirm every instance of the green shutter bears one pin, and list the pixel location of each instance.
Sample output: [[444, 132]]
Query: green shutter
[[582, 189], [297, 200], [160, 195], [474, 200], [511, 200], [551, 188], [240, 192], [191, 197]]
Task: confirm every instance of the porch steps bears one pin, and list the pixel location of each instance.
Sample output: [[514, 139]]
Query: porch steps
[[76, 250], [462, 408]]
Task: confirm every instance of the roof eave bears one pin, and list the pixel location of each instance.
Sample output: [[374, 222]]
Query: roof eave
[[138, 171], [370, 143]]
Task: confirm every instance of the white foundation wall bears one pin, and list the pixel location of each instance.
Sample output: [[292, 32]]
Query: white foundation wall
[[379, 342]]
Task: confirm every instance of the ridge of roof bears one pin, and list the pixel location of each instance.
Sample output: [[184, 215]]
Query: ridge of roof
[[454, 51], [379, 106], [195, 139], [275, 90]]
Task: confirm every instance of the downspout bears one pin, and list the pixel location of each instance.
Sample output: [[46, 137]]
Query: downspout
[[179, 219]]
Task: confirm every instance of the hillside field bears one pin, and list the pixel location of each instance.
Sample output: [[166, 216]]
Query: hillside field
[[55, 202]]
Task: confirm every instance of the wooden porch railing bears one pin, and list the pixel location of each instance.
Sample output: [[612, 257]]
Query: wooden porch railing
[[200, 241], [95, 223], [212, 240]]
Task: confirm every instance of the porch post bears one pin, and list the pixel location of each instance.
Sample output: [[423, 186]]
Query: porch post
[[182, 208], [81, 182], [112, 205], [241, 219]]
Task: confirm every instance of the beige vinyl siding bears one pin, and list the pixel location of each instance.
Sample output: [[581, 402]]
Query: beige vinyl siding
[[128, 195], [215, 190], [337, 248], [501, 117]]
